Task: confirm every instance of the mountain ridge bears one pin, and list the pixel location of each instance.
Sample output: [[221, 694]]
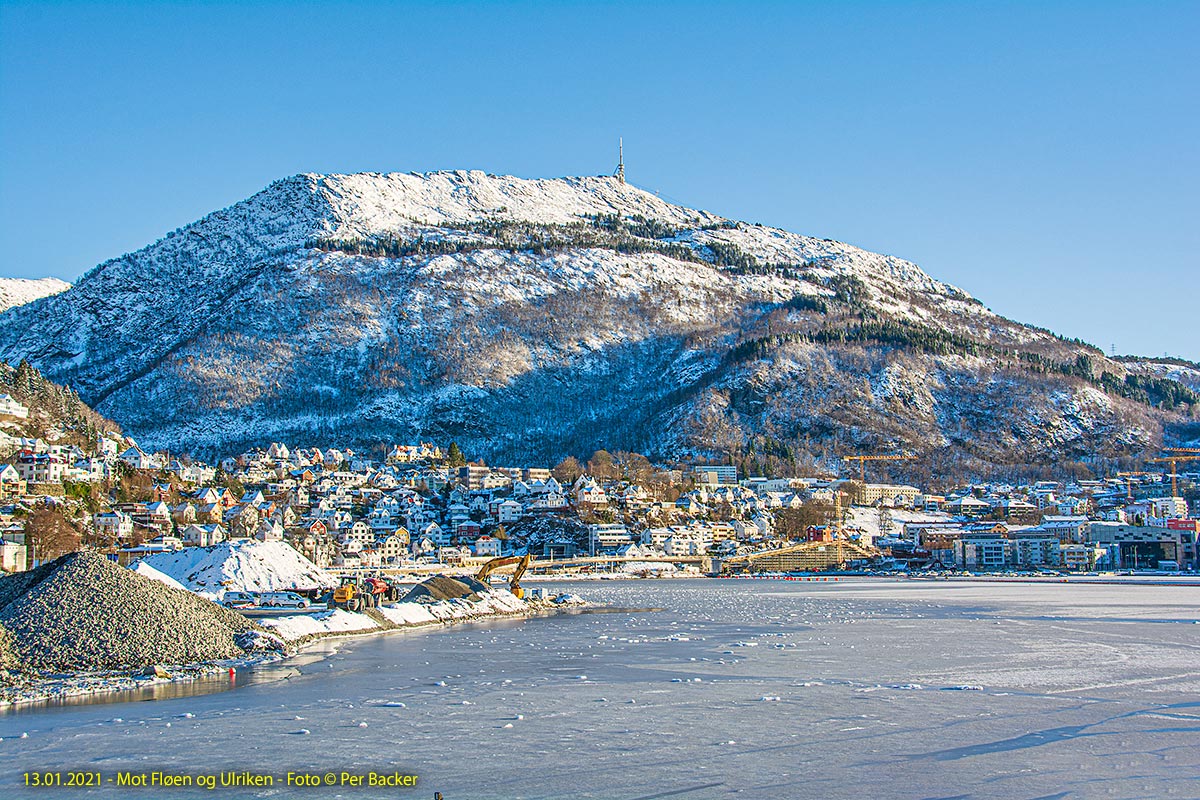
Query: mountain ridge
[[400, 305]]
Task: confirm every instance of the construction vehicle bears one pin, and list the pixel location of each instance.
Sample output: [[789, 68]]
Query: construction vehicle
[[357, 592], [514, 585]]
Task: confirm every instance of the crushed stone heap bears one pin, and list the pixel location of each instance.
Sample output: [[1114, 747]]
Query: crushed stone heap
[[84, 612], [441, 587], [8, 655]]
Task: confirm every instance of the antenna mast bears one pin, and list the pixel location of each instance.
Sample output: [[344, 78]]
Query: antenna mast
[[620, 173]]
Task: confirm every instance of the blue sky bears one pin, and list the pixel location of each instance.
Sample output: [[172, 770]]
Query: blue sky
[[1043, 156]]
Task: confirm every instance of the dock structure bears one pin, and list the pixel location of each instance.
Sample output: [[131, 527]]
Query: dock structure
[[802, 557]]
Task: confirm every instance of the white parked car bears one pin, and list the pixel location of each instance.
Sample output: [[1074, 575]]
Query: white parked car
[[282, 600]]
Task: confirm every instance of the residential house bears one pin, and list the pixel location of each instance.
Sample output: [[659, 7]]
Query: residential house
[[137, 459], [201, 535], [12, 484], [509, 511], [9, 407], [607, 538], [269, 530], [40, 467], [393, 548], [113, 525], [487, 547], [12, 556]]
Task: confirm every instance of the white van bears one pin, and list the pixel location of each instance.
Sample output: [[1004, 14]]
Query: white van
[[282, 600], [239, 599]]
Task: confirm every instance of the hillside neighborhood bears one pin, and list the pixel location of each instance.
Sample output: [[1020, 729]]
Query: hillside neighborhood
[[421, 505]]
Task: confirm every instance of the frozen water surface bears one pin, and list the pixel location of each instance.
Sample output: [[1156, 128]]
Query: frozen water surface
[[757, 689]]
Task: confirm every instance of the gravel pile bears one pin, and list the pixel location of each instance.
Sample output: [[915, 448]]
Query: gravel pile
[[14, 585], [84, 612], [11, 587], [8, 653], [440, 587]]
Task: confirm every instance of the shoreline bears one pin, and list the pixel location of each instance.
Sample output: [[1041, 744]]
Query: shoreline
[[29, 691], [1093, 580]]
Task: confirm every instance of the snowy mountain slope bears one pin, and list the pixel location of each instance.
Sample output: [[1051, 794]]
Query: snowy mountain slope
[[19, 291], [530, 319], [1183, 372]]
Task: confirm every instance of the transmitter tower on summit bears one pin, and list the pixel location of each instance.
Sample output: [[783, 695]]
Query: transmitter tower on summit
[[620, 171]]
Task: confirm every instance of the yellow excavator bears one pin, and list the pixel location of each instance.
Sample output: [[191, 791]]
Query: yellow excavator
[[514, 585]]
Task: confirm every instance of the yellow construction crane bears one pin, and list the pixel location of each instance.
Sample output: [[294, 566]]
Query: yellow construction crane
[[1173, 460], [1129, 483], [862, 462]]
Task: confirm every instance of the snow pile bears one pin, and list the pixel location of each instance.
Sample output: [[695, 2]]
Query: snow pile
[[325, 622], [244, 566], [83, 612], [19, 291], [500, 601], [260, 642], [142, 568]]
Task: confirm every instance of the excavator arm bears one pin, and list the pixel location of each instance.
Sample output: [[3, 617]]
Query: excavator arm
[[496, 563], [522, 564], [514, 585]]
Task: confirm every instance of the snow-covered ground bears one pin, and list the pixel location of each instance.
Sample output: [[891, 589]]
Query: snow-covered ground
[[876, 522], [323, 622], [337, 621], [859, 688]]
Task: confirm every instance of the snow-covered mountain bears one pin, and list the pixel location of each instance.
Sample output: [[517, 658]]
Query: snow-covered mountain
[[19, 291], [528, 319]]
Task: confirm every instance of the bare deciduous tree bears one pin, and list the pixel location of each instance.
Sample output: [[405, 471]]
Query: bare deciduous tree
[[49, 535], [793, 523]]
